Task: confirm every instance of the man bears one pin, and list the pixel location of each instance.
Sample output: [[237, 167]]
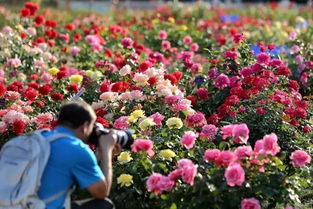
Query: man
[[72, 162]]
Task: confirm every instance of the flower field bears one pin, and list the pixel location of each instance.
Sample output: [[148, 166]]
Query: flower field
[[220, 99]]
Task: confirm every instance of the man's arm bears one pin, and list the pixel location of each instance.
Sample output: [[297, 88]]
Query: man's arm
[[101, 189]]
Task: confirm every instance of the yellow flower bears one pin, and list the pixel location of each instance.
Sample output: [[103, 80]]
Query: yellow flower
[[171, 20], [20, 28], [94, 75], [137, 114], [146, 123], [125, 180], [167, 154], [155, 21], [183, 27], [124, 157], [89, 73], [76, 79], [53, 71], [174, 123], [131, 119], [311, 120]]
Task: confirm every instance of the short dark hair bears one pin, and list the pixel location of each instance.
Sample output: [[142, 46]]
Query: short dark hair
[[75, 114]]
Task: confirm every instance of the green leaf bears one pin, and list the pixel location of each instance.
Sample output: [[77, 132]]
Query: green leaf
[[173, 206]]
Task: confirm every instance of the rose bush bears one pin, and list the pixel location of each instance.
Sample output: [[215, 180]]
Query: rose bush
[[218, 106]]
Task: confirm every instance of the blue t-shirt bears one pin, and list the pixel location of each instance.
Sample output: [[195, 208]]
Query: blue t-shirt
[[71, 162]]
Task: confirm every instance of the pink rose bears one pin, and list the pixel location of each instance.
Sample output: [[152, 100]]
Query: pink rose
[[189, 173], [166, 183], [184, 163], [194, 47], [157, 118], [300, 158], [158, 183], [243, 151], [188, 139], [175, 174], [187, 40], [235, 175], [121, 123], [3, 127], [211, 155], [152, 183], [238, 132], [250, 203], [166, 45], [270, 145], [143, 145], [226, 158], [162, 34], [208, 131]]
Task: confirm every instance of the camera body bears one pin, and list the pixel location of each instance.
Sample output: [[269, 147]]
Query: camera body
[[124, 137]]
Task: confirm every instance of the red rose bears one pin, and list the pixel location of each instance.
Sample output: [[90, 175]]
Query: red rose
[[103, 121], [51, 23], [77, 37], [61, 74], [213, 119], [19, 127], [69, 27], [178, 75], [152, 81], [45, 89], [3, 89], [144, 66], [39, 20], [120, 87], [192, 99], [40, 40], [56, 96], [271, 46], [23, 35], [33, 85], [104, 86], [72, 87], [31, 94], [100, 112], [171, 78], [25, 12], [32, 8]]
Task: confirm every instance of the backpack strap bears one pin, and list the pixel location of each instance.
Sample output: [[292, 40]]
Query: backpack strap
[[59, 194]]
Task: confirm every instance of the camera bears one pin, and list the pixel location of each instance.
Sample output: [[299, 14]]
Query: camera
[[124, 137]]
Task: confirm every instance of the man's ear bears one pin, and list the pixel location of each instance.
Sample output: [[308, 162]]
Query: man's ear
[[85, 127]]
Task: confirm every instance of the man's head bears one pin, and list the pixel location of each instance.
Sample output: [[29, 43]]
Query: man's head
[[79, 116]]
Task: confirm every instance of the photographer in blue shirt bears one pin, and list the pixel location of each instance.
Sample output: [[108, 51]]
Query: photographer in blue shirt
[[72, 162]]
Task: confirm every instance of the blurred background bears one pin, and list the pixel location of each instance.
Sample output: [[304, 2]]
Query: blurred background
[[105, 5]]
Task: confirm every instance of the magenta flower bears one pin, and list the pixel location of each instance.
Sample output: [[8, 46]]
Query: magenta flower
[[263, 58], [250, 203], [127, 42], [222, 81]]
